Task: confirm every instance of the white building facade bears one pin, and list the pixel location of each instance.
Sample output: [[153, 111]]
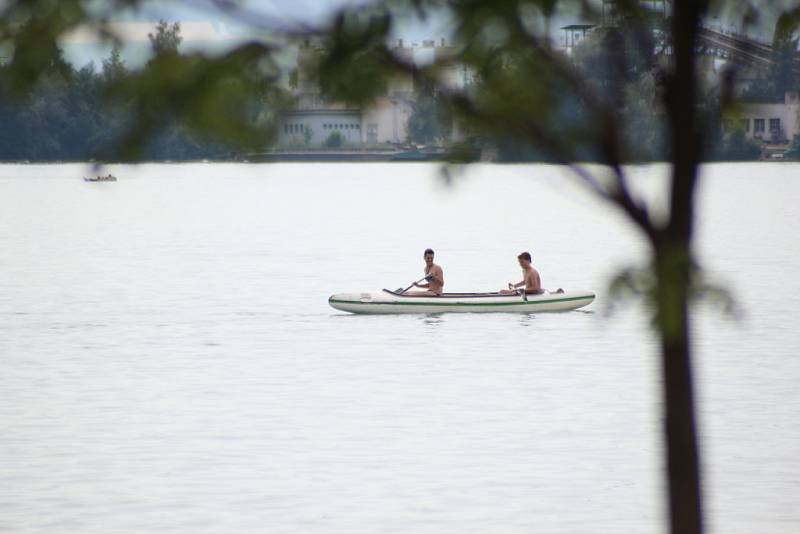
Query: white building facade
[[314, 120], [385, 121], [775, 123]]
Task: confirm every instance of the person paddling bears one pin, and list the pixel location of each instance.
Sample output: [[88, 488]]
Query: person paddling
[[434, 276], [530, 278]]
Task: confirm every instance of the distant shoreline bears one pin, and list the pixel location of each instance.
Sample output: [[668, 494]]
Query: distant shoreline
[[348, 157]]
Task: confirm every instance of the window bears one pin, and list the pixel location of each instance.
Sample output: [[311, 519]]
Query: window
[[774, 125], [758, 126], [372, 133], [746, 125]]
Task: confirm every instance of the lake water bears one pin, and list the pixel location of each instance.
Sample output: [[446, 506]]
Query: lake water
[[169, 362]]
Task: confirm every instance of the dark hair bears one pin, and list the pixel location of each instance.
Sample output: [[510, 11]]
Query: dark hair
[[428, 251], [524, 256]]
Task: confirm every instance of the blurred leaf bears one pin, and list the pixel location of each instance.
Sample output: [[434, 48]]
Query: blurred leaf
[[787, 25], [30, 30], [353, 64], [641, 283], [234, 98]]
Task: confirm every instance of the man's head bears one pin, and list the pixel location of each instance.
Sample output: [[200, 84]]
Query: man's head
[[428, 255], [524, 259]]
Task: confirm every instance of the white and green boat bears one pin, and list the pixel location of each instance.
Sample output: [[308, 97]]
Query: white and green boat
[[388, 301]]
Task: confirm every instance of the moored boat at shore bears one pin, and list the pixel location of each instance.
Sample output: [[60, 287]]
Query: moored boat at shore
[[388, 301]]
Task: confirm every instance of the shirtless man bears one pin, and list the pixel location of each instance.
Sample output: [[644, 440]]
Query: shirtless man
[[530, 278], [434, 275]]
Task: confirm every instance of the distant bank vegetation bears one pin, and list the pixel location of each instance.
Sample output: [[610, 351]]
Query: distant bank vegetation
[[111, 113], [72, 114]]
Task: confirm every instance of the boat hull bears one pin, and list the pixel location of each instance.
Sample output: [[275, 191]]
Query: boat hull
[[391, 302]]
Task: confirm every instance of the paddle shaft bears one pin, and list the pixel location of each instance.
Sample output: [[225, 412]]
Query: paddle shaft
[[413, 284]]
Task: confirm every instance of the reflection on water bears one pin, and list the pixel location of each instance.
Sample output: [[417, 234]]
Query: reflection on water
[[432, 319], [169, 361]]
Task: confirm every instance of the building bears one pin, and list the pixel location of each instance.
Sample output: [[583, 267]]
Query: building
[[314, 121], [774, 123], [573, 35]]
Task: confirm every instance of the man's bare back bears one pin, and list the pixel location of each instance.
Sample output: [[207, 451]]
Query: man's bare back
[[533, 284], [530, 277]]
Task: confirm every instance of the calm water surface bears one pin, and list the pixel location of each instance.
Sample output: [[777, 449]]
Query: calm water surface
[[169, 363]]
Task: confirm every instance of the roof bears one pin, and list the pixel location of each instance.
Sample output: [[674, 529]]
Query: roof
[[578, 27]]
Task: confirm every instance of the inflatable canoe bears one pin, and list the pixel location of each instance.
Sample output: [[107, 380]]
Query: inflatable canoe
[[388, 301]]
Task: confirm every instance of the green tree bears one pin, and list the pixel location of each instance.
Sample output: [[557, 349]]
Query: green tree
[[48, 117], [334, 140], [114, 67], [621, 71], [167, 38], [735, 146], [430, 120], [784, 45], [780, 77]]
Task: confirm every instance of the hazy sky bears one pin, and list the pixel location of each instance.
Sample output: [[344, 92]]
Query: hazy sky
[[272, 13], [204, 24], [277, 10]]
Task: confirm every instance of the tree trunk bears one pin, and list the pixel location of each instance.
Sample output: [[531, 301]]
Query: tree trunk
[[673, 255], [673, 271]]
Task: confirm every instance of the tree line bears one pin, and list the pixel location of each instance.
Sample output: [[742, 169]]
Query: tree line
[[67, 114], [597, 59], [74, 114]]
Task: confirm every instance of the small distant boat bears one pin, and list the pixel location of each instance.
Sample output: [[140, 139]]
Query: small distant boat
[[109, 178], [389, 301]]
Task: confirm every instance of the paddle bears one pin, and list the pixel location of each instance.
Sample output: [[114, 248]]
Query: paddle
[[520, 291], [401, 290]]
